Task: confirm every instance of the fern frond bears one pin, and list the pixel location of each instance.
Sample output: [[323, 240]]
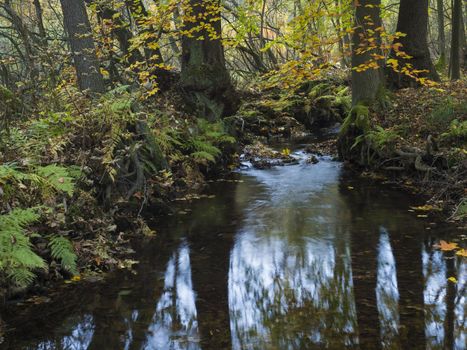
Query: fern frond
[[17, 260], [62, 249], [203, 157]]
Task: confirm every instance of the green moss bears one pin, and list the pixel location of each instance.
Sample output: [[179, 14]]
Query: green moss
[[358, 117]]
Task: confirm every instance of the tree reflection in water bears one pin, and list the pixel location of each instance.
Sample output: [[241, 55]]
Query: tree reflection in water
[[174, 324], [445, 301], [387, 293]]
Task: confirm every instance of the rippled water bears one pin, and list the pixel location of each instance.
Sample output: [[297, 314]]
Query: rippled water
[[297, 257]]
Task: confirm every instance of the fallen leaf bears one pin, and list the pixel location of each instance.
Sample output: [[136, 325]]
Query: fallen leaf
[[462, 252], [445, 246], [452, 279], [425, 208]]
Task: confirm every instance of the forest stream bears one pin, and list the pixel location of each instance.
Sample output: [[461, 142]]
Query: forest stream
[[306, 256]]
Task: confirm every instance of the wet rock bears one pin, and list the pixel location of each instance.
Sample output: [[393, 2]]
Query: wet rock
[[263, 157], [312, 160]]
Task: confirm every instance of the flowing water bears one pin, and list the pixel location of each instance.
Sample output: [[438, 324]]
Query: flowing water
[[297, 257]]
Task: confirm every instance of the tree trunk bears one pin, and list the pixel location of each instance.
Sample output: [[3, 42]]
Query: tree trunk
[[463, 42], [40, 22], [204, 77], [152, 51], [20, 27], [464, 30], [413, 22], [454, 66], [365, 84], [77, 25], [441, 33]]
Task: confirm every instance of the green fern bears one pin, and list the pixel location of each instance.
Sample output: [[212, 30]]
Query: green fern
[[57, 178], [200, 145], [205, 145], [62, 249], [45, 179], [17, 260], [203, 157]]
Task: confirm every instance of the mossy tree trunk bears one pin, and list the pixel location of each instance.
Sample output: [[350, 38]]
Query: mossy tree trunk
[[76, 22], [367, 83], [413, 22], [204, 79]]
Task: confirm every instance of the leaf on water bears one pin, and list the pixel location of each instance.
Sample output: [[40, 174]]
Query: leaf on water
[[462, 252], [446, 247], [452, 279], [426, 207]]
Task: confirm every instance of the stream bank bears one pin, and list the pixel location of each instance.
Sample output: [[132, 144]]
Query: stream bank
[[418, 139]]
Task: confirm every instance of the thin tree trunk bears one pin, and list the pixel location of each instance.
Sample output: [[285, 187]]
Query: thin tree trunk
[[454, 67], [40, 21], [22, 31], [152, 51], [441, 33], [463, 42], [77, 25], [139, 13], [120, 30]]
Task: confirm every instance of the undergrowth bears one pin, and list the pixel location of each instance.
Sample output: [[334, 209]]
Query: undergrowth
[[73, 157]]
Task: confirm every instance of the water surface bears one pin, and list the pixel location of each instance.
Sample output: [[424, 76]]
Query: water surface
[[297, 257]]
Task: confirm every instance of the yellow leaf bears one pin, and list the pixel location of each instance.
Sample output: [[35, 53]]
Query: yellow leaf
[[452, 279], [425, 208], [445, 246], [462, 252], [105, 72]]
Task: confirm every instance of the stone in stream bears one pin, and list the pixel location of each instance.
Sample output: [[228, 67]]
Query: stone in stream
[[312, 160], [263, 157]]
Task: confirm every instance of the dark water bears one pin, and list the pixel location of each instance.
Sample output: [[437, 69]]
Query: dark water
[[299, 257]]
